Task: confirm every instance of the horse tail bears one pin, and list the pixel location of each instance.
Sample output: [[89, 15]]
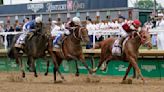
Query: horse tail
[[97, 45]]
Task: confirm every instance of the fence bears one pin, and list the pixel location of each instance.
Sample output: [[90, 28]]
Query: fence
[[150, 67], [91, 32]]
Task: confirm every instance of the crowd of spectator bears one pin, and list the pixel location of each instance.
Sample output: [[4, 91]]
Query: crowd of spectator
[[91, 25]]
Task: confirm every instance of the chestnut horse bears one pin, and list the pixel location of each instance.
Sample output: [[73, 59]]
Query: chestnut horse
[[71, 48], [130, 50]]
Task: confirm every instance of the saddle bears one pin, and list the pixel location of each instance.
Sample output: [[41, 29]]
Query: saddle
[[117, 48]]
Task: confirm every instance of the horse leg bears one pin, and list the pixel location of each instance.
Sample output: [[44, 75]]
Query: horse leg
[[33, 66], [127, 71], [50, 50], [134, 73], [84, 63], [21, 66], [92, 61], [101, 62], [134, 64], [48, 64], [105, 65], [29, 65], [77, 70], [56, 69]]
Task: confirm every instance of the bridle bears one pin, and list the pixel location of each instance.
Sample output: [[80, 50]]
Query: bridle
[[142, 39], [79, 36]]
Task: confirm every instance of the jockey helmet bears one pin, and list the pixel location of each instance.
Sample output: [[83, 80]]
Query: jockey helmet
[[38, 20], [76, 20], [136, 22]]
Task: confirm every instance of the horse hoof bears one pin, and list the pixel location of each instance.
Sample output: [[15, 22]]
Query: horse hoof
[[128, 81], [103, 69], [94, 70], [23, 75], [36, 75], [58, 81], [46, 74], [77, 74]]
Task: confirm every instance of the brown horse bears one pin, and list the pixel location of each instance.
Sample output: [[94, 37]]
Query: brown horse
[[130, 50], [34, 48], [71, 48]]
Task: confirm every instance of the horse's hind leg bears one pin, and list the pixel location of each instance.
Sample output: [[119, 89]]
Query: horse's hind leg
[[56, 69], [33, 68], [77, 70], [101, 62], [48, 64], [21, 66]]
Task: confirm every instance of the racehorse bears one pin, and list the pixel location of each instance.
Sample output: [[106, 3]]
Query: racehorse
[[71, 48], [130, 50], [35, 47]]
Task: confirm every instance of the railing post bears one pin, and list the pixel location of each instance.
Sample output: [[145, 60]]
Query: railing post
[[94, 35], [5, 43]]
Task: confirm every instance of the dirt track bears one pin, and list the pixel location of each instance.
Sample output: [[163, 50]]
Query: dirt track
[[12, 82]]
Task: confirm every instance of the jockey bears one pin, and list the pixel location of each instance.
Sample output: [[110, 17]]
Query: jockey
[[65, 30], [61, 31], [128, 28], [29, 26]]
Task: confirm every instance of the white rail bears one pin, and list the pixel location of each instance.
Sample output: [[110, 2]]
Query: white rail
[[5, 36], [91, 32]]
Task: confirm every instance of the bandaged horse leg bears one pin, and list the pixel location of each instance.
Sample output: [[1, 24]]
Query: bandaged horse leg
[[102, 60]]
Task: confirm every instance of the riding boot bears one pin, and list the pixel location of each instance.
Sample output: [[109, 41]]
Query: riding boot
[[30, 34], [55, 41], [121, 39]]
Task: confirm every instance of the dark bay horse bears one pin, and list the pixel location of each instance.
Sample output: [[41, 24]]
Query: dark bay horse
[[71, 48], [34, 48], [130, 50]]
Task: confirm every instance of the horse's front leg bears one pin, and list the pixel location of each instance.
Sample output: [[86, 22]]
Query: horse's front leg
[[127, 71], [133, 62]]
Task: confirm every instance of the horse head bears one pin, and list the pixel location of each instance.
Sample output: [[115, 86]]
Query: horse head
[[145, 37], [38, 27], [81, 33]]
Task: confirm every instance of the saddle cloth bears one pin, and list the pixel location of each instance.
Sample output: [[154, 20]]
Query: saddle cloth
[[117, 49]]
